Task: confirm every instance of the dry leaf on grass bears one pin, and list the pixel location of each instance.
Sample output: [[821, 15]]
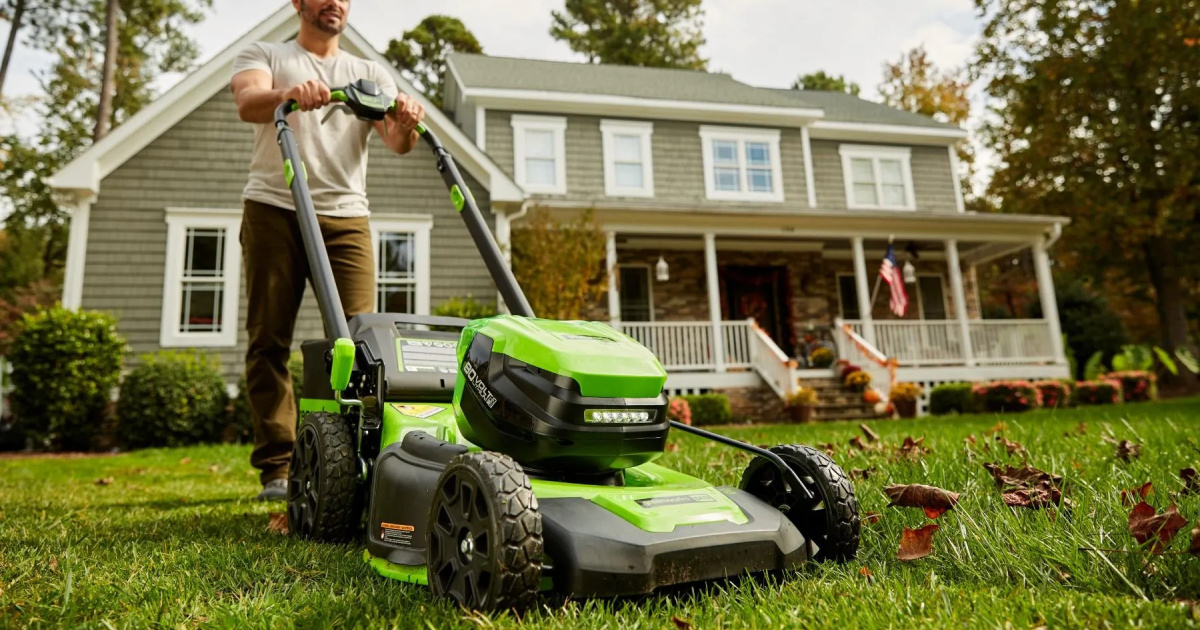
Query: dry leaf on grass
[[672, 447], [1145, 525], [1079, 431], [916, 543], [913, 449], [185, 460], [871, 517], [1136, 495], [862, 473], [104, 482], [829, 448], [1042, 495], [970, 439], [277, 522], [54, 564], [1009, 445], [1010, 476], [857, 443], [999, 427], [1191, 483], [1027, 486], [1126, 450], [1195, 548], [871, 435], [935, 501], [681, 624]]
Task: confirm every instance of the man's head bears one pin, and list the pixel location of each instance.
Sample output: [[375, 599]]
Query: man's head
[[327, 16]]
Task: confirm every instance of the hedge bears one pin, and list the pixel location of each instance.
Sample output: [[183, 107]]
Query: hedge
[[709, 409], [951, 398], [1098, 392], [1055, 394], [172, 399], [1004, 396], [1136, 386]]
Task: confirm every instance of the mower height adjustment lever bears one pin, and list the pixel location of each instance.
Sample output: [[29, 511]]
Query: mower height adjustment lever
[[790, 478]]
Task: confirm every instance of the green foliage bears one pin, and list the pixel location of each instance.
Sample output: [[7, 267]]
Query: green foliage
[[1188, 359], [1099, 392], [951, 398], [420, 53], [1095, 367], [26, 299], [1166, 360], [562, 268], [1055, 394], [465, 308], [650, 33], [1136, 386], [65, 366], [709, 409], [819, 80], [171, 399], [1088, 321]]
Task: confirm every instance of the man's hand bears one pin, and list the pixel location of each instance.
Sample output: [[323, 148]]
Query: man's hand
[[400, 125], [312, 94]]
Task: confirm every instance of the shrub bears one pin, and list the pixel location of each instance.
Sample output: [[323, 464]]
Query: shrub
[[171, 399], [1098, 392], [802, 396], [858, 381], [679, 411], [466, 309], [1090, 323], [1136, 386], [821, 357], [849, 369], [1055, 394], [65, 366], [905, 391], [241, 424], [951, 398], [1005, 396], [709, 409]]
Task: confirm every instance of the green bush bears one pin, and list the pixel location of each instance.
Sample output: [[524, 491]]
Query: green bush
[[1055, 394], [1088, 320], [65, 366], [1104, 392], [241, 425], [1007, 396], [171, 399], [1136, 386], [709, 409], [466, 309], [951, 398]]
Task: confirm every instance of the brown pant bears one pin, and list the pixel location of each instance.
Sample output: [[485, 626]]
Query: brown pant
[[276, 269]]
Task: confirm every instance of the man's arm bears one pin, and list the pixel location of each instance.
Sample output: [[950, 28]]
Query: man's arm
[[256, 99]]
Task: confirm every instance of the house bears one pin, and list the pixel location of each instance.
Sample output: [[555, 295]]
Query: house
[[744, 225]]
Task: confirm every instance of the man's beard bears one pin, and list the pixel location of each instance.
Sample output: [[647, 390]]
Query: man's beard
[[315, 20]]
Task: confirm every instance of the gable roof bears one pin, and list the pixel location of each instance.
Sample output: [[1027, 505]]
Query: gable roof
[[843, 107], [86, 171]]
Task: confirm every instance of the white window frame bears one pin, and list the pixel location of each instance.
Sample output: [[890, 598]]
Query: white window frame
[[741, 135], [875, 154], [179, 220], [649, 284], [558, 126], [645, 132], [419, 226], [945, 294]]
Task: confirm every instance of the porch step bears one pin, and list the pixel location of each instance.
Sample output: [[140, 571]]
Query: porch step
[[843, 412]]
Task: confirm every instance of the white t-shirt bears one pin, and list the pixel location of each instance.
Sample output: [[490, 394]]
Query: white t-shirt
[[335, 152]]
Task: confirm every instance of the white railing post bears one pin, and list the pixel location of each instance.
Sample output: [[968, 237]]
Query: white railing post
[[864, 296], [960, 300], [614, 294], [1045, 280], [714, 300]]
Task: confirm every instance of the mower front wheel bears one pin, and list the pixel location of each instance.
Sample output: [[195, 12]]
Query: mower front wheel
[[322, 482], [485, 534]]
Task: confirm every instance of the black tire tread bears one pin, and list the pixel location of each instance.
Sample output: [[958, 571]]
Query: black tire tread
[[338, 518]]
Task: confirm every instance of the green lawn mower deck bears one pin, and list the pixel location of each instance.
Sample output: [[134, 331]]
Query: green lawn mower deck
[[498, 458]]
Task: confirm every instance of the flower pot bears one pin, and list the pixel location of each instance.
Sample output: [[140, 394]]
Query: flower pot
[[906, 408], [800, 413]]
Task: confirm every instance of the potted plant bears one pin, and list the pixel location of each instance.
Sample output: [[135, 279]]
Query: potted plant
[[800, 404], [857, 381], [821, 357], [904, 397]]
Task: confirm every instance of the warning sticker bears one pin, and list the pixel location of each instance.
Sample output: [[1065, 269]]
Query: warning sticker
[[419, 411], [680, 499], [418, 355], [397, 534]]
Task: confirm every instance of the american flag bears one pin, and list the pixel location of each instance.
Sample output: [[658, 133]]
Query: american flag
[[895, 278]]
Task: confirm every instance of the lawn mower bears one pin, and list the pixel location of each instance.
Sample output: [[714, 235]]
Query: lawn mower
[[497, 458]]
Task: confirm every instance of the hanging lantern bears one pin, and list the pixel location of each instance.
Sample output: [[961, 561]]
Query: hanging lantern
[[661, 271], [910, 272]]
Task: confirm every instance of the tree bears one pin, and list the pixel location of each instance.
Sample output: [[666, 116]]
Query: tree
[[108, 75], [650, 33], [42, 21], [562, 268], [916, 85], [421, 52], [1095, 116], [820, 81], [14, 27]]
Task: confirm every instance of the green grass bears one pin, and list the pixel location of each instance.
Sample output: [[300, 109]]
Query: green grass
[[175, 544]]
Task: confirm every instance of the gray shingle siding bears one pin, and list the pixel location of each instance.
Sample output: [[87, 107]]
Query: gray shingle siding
[[933, 184], [201, 162]]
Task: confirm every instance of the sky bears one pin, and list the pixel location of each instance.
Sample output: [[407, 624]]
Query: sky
[[766, 43]]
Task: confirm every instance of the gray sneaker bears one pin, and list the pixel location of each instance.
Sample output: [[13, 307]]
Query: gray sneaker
[[275, 490]]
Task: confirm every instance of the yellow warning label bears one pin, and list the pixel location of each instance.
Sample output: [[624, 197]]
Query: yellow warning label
[[403, 528]]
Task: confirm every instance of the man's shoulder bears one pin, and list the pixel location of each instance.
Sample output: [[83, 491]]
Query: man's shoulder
[[271, 49]]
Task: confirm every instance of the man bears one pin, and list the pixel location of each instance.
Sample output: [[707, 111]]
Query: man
[[335, 154]]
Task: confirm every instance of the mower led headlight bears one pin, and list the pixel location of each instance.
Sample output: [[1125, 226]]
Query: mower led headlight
[[618, 416]]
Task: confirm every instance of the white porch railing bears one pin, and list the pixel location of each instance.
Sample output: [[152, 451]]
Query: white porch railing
[[775, 368], [853, 347], [688, 345], [939, 342]]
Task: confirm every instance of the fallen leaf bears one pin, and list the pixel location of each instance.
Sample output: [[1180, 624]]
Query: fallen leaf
[[1063, 576], [913, 449], [1126, 450], [213, 468], [1191, 483], [829, 448], [185, 460], [857, 442], [672, 447], [970, 439], [1044, 494], [999, 427], [916, 543], [935, 501], [104, 482], [277, 522], [871, 435], [1145, 524], [1020, 477], [1136, 495], [1079, 431], [1009, 445], [1195, 548], [681, 624], [871, 517], [862, 473], [54, 564], [865, 572]]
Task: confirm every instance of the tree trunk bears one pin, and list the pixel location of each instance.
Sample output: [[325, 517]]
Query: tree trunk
[[12, 42], [104, 112], [1169, 301]]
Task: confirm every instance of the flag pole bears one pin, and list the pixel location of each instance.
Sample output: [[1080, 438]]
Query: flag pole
[[875, 291]]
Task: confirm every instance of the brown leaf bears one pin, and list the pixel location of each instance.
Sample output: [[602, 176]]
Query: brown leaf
[[672, 447], [1195, 548], [1126, 450], [1136, 495], [871, 435], [1010, 477], [862, 473], [1043, 495], [871, 517], [54, 564], [865, 572], [1191, 483], [1009, 445], [970, 439], [185, 460], [277, 522], [857, 443], [1145, 524], [916, 543], [104, 482], [681, 624], [829, 448], [999, 427], [913, 449], [917, 495], [1079, 431]]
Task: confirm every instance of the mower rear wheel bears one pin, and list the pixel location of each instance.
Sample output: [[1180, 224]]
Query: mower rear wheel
[[830, 519], [485, 534], [322, 490]]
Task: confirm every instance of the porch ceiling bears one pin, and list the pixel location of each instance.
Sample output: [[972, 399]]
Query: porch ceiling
[[973, 251]]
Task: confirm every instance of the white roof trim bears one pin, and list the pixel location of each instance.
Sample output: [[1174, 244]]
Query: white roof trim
[[87, 170], [868, 132], [663, 109]]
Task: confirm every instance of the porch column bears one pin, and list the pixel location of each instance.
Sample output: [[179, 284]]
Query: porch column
[[714, 300], [614, 292], [864, 294], [960, 299], [1045, 280]]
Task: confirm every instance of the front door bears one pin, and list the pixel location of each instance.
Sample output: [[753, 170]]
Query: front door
[[760, 293]]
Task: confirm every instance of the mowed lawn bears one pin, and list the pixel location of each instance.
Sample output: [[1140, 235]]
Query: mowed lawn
[[174, 540]]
